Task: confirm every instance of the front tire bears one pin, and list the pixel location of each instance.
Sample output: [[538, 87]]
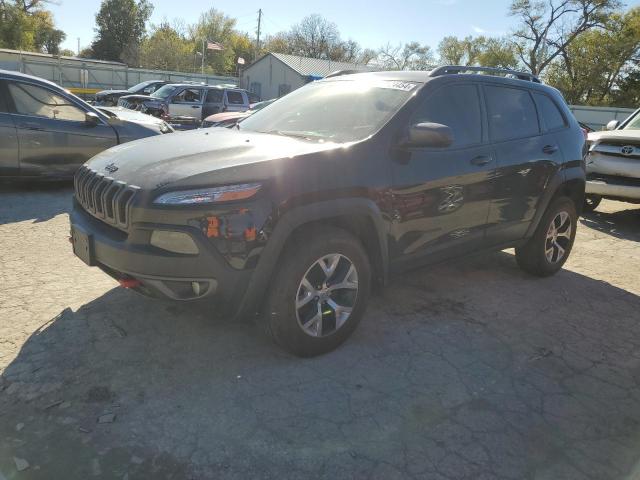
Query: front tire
[[547, 251], [320, 291]]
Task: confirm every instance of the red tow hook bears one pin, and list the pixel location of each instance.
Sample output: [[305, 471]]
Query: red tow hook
[[129, 282]]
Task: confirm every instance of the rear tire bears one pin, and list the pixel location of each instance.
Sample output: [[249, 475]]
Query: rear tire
[[591, 202], [309, 311], [547, 251]]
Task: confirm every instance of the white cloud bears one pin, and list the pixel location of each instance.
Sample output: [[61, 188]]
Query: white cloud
[[478, 29]]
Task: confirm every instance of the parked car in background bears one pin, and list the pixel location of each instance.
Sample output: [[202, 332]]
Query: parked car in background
[[178, 100], [299, 210], [229, 119], [613, 163], [109, 98], [47, 131]]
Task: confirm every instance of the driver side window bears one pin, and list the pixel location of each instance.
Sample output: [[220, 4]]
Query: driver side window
[[40, 102], [458, 107], [188, 95]]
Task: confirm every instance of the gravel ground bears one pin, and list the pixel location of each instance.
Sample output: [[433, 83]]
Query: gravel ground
[[467, 370]]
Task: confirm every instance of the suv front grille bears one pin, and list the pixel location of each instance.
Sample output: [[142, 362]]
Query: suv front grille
[[103, 197]]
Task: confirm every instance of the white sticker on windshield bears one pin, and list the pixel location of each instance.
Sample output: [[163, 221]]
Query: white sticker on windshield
[[398, 85]]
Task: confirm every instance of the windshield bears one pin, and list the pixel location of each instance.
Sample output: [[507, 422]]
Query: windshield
[[164, 91], [137, 87], [634, 124], [337, 111]]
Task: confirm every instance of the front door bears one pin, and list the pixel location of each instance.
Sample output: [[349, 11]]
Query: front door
[[526, 159], [187, 103], [441, 195], [54, 137], [9, 150]]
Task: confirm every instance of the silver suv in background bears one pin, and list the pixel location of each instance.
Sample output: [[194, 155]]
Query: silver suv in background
[[613, 163], [189, 100]]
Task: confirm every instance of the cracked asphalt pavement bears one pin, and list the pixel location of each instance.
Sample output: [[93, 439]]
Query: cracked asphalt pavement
[[466, 370]]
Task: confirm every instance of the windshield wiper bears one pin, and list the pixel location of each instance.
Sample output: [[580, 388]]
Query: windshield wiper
[[296, 134]]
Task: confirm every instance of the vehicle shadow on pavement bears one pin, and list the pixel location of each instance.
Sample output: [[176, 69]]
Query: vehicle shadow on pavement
[[621, 224], [20, 201], [465, 369]]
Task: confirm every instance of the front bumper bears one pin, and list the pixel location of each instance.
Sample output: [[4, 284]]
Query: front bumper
[[607, 188], [162, 274]]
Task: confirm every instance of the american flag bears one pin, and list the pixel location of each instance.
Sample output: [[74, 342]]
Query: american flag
[[214, 46]]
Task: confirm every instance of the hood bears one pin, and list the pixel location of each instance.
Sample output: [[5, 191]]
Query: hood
[[141, 98], [126, 115], [104, 93], [219, 117], [177, 158], [632, 136]]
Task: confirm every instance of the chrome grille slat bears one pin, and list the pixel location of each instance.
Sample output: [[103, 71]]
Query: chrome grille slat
[[103, 197]]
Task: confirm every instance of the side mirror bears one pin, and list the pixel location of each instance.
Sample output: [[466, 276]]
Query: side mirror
[[613, 124], [433, 135], [91, 119]]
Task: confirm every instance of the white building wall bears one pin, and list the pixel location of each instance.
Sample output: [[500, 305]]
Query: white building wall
[[269, 78]]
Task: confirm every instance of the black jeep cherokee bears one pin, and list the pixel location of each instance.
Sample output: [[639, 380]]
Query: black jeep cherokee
[[307, 203]]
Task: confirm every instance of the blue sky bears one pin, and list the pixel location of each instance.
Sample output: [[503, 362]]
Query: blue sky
[[372, 23]]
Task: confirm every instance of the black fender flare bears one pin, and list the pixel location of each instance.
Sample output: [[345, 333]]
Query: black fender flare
[[295, 218], [570, 172]]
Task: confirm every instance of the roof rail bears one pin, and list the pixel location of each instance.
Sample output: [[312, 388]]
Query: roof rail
[[449, 69]]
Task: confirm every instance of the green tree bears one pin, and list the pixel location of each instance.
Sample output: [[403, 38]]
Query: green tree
[[120, 27], [594, 68], [477, 51], [549, 27], [32, 30], [215, 26]]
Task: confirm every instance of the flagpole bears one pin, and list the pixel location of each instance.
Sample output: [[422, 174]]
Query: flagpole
[[202, 68]]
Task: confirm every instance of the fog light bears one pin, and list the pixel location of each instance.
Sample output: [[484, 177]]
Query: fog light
[[176, 242]]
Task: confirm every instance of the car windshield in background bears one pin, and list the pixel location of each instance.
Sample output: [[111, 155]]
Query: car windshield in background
[[137, 87], [337, 111], [634, 124], [164, 91]]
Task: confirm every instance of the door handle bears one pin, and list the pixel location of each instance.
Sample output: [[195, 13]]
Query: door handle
[[481, 160], [195, 106], [550, 149]]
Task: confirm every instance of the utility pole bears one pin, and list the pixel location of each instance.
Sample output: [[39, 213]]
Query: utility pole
[[255, 56], [202, 66], [78, 45]]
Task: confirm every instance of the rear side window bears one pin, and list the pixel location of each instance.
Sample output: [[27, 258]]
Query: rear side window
[[550, 115], [234, 98], [511, 113], [41, 102], [214, 96], [253, 98], [458, 107]]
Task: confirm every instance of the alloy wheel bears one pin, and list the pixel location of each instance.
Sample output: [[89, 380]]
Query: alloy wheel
[[558, 237], [326, 295]]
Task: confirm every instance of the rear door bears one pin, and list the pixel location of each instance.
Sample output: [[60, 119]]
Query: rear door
[[9, 149], [441, 195], [187, 103], [526, 159], [54, 137], [213, 103], [236, 101]]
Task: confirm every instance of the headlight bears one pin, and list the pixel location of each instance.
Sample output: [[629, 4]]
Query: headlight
[[209, 195]]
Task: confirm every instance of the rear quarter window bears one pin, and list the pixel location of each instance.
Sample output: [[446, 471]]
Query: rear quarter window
[[234, 98], [550, 115], [511, 113]]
